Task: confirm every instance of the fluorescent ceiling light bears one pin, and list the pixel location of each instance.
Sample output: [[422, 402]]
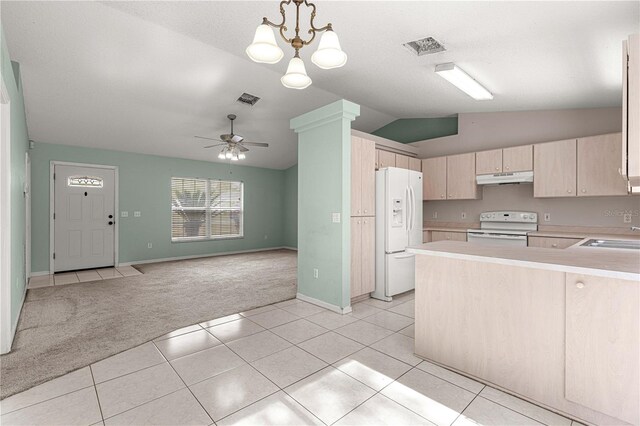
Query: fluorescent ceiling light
[[463, 81]]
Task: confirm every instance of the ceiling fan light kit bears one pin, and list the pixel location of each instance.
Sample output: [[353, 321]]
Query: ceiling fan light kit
[[264, 48], [233, 146]]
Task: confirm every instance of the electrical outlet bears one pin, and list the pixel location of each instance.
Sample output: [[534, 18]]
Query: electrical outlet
[[149, 245], [547, 217], [315, 272], [335, 217], [124, 214], [463, 215], [627, 218], [136, 214], [434, 215]]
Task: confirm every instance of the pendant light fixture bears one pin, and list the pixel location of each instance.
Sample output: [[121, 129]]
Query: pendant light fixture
[[264, 48]]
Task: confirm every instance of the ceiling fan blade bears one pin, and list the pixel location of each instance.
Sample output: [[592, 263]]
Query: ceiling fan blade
[[213, 146], [242, 148], [209, 139], [265, 145]]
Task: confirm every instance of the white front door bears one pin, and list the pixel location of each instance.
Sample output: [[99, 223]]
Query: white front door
[[84, 217]]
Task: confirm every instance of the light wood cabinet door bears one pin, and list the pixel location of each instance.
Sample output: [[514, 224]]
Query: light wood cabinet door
[[415, 164], [448, 236], [386, 159], [402, 161], [517, 159], [489, 162], [554, 165], [368, 253], [368, 177], [356, 256], [434, 178], [356, 176], [598, 164], [426, 236], [461, 177], [602, 358], [551, 242]]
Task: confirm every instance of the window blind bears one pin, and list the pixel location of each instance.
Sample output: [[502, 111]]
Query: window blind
[[206, 209]]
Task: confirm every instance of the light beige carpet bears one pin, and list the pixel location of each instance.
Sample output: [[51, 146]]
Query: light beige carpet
[[68, 327]]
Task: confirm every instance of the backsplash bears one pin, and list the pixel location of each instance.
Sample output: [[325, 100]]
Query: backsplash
[[578, 211]]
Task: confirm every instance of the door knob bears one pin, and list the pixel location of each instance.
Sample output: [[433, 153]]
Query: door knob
[[110, 222]]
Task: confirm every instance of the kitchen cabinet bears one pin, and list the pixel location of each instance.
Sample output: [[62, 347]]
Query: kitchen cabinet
[[415, 164], [386, 159], [552, 242], [461, 177], [434, 178], [598, 159], [603, 345], [517, 159], [554, 165], [402, 161], [630, 154], [448, 236], [489, 162], [363, 177], [362, 255]]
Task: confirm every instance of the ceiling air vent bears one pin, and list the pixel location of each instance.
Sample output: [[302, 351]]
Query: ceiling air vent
[[248, 99], [425, 46]]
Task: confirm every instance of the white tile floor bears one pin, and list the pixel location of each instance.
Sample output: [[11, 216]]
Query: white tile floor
[[65, 278], [289, 363]]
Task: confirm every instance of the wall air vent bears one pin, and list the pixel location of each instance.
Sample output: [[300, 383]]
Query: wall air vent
[[425, 46], [248, 99]]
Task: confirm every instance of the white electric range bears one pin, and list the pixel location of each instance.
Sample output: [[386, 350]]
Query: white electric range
[[504, 228]]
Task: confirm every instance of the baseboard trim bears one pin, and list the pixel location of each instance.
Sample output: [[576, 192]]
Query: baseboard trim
[[290, 248], [14, 326], [198, 256], [39, 274], [323, 304]]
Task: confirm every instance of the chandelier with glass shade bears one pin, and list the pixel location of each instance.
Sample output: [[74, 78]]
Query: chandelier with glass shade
[[264, 48]]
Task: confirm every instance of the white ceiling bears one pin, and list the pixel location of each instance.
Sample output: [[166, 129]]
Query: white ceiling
[[147, 76]]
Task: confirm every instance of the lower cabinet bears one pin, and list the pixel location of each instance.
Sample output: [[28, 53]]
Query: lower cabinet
[[446, 235], [552, 242], [363, 240], [603, 345]]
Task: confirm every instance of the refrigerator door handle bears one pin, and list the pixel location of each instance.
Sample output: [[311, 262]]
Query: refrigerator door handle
[[407, 207], [413, 206]]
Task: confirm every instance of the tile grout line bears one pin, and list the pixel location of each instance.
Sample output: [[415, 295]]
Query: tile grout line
[[467, 406], [44, 400], [95, 389]]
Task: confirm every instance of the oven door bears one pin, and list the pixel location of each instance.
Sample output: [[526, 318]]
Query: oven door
[[496, 239]]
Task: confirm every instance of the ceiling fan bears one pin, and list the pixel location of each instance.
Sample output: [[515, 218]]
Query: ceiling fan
[[233, 146]]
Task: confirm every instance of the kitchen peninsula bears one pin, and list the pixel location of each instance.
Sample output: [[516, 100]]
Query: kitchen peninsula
[[560, 328]]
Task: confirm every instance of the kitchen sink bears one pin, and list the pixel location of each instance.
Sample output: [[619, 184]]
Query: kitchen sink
[[615, 244]]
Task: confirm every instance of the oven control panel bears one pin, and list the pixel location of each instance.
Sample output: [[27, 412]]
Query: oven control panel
[[509, 216]]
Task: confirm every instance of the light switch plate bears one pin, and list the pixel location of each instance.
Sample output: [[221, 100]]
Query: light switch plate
[[136, 214], [335, 217], [124, 214]]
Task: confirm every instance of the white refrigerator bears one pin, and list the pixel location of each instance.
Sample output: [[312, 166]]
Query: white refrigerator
[[398, 225]]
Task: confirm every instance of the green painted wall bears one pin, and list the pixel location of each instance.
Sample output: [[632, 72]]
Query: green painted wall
[[19, 146], [324, 182], [291, 207], [408, 130], [144, 186]]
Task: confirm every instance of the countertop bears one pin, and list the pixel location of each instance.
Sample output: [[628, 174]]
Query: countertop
[[604, 262]]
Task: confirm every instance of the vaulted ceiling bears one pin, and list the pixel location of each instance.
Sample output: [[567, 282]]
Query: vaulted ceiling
[[148, 76]]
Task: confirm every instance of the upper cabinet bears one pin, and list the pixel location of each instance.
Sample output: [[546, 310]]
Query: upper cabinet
[[515, 159], [415, 164], [385, 159], [461, 177], [489, 162], [630, 154], [434, 178], [402, 161], [554, 169], [598, 157], [363, 177]]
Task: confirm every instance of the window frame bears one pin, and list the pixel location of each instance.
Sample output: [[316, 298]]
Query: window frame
[[208, 210]]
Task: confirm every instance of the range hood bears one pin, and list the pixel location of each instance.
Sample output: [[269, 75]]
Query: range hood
[[505, 178]]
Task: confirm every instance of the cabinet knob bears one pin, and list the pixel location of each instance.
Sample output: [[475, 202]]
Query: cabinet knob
[[497, 169], [568, 191], [365, 211], [584, 190], [441, 195], [580, 284], [554, 245], [365, 222], [358, 221], [506, 167]]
